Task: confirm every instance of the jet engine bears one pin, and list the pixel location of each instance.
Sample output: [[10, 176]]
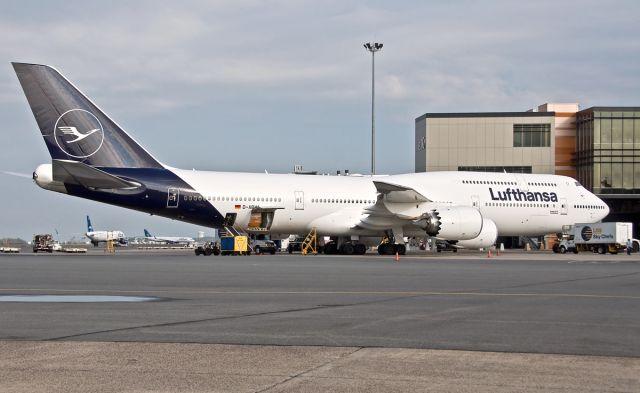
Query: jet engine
[[486, 238], [452, 223]]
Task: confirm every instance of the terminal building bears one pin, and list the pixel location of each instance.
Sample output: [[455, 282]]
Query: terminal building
[[599, 146]]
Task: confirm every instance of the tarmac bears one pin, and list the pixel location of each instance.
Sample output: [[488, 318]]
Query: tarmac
[[430, 322]]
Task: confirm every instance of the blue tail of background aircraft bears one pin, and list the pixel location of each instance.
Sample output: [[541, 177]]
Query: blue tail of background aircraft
[[147, 234], [89, 226]]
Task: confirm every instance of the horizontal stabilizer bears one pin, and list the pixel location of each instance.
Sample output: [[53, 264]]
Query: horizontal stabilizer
[[74, 172], [398, 193]]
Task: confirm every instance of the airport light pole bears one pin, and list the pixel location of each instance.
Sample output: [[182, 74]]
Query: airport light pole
[[373, 48]]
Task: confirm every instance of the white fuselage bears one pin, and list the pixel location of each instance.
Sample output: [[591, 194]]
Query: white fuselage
[[170, 239], [103, 236], [519, 204]]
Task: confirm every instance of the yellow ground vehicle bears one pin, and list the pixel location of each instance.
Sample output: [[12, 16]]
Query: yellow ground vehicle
[[234, 245]]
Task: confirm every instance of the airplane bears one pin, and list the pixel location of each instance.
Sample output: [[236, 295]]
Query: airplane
[[97, 237], [168, 239], [469, 209]]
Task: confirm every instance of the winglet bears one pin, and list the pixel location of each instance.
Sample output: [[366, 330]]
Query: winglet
[[399, 193]]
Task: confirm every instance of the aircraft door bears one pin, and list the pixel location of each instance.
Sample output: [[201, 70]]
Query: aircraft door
[[299, 198], [230, 219], [563, 206], [260, 220], [475, 201], [522, 183], [173, 197]]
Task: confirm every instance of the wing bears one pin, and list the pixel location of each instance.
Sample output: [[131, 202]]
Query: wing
[[399, 193], [397, 205]]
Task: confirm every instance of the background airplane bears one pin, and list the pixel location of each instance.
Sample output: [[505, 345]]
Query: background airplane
[[168, 239], [97, 237]]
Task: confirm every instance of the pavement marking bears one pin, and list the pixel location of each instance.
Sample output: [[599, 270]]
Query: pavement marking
[[74, 299], [385, 293]]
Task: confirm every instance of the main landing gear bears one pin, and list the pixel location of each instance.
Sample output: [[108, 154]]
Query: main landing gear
[[391, 249], [346, 248], [389, 246]]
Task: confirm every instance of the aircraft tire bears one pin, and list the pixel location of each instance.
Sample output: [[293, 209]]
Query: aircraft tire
[[330, 248], [360, 249], [385, 249], [347, 249], [401, 249]]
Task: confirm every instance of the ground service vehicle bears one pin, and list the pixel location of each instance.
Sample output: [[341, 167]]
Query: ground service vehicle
[[207, 248], [600, 237], [295, 245], [42, 243], [234, 245], [443, 245], [263, 245]]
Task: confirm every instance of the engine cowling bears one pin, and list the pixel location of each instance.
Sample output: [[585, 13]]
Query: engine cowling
[[485, 239], [452, 223]]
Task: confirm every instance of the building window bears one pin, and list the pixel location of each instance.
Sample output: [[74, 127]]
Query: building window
[[531, 135], [508, 169]]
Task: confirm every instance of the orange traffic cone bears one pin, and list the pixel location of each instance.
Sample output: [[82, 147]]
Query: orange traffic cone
[[489, 254], [497, 252], [397, 258]]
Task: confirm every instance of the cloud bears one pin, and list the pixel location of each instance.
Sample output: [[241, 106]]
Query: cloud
[[304, 50]]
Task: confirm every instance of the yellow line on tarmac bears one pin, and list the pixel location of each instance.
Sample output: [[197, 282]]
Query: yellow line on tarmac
[[382, 293]]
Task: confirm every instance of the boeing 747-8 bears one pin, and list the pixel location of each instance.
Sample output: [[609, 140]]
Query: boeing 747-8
[[94, 158]]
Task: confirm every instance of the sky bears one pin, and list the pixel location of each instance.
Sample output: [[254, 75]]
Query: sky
[[265, 85]]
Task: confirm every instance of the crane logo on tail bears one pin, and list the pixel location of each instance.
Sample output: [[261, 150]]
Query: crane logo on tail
[[78, 133]]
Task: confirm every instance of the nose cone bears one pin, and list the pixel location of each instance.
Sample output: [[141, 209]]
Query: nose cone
[[606, 210]]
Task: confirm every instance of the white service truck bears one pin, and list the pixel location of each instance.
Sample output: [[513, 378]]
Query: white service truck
[[601, 237]]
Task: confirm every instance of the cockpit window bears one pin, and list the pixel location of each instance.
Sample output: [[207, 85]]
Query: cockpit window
[[578, 184]]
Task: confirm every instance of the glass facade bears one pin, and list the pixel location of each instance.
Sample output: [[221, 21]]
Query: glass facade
[[608, 150], [531, 135]]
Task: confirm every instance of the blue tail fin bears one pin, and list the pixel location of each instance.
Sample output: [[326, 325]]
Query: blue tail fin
[[73, 127], [147, 234], [89, 226]]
